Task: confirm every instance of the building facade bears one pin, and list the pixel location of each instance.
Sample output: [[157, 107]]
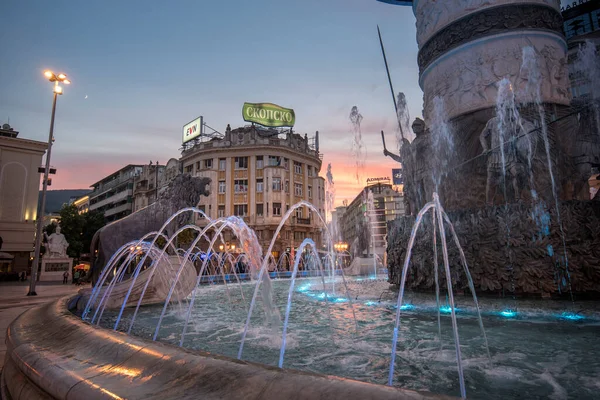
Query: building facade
[[19, 187], [258, 175], [363, 223], [146, 185], [82, 204], [582, 26], [113, 195]]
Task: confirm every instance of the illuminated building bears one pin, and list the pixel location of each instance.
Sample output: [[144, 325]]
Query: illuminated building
[[19, 189], [257, 174]]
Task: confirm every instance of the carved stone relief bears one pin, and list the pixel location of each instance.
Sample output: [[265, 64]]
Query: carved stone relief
[[433, 15], [467, 79], [486, 23]]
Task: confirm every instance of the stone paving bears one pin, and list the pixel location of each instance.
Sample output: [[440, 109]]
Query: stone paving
[[13, 302]]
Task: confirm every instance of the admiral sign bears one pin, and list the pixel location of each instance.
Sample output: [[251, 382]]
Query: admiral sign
[[268, 114], [377, 180], [192, 130]]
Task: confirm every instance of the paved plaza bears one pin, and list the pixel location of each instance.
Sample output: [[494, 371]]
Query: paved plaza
[[13, 302]]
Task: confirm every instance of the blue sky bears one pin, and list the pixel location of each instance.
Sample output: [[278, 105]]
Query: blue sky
[[148, 67]]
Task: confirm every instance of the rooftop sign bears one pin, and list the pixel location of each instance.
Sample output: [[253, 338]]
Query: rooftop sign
[[268, 114], [192, 130], [375, 180]]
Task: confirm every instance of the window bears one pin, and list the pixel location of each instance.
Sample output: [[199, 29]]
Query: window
[[189, 168], [198, 165], [259, 162], [259, 235], [241, 185], [203, 209], [241, 163], [208, 163], [309, 192], [298, 189], [259, 210], [286, 164], [240, 210], [259, 186], [310, 170], [276, 209], [287, 186], [222, 164], [221, 187], [287, 235], [274, 161], [299, 212], [221, 212], [277, 185], [297, 167], [299, 236]]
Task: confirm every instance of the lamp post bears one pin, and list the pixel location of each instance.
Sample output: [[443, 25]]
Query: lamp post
[[40, 217]]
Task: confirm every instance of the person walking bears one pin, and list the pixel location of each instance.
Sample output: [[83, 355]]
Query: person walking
[[76, 277], [66, 277]]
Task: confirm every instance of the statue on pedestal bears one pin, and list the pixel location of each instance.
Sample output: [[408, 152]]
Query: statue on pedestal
[[57, 244]]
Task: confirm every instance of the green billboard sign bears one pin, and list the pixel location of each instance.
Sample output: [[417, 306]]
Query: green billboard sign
[[268, 114]]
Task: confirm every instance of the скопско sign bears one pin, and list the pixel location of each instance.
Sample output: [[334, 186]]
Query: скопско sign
[[268, 114]]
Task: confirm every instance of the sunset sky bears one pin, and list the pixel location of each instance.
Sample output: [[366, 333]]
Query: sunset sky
[[141, 70]]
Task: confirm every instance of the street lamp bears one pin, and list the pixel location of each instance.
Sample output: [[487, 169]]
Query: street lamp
[[40, 217]]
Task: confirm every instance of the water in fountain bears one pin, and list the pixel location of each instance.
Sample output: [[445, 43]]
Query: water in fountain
[[330, 198], [534, 88], [403, 116], [358, 146], [287, 215], [316, 339], [507, 121], [442, 142], [440, 217]]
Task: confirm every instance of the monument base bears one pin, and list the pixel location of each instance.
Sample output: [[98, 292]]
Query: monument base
[[54, 268]]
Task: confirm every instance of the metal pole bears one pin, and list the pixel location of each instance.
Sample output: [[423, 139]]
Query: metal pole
[[389, 80], [40, 216]]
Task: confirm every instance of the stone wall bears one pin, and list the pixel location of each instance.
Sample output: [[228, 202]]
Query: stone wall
[[529, 256]]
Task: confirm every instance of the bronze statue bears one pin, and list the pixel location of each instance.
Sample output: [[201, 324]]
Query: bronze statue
[[414, 166]]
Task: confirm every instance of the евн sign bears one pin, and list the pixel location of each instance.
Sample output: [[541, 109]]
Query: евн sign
[[192, 130], [268, 114]]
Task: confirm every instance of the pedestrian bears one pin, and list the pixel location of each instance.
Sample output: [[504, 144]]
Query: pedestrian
[[76, 277], [65, 277]]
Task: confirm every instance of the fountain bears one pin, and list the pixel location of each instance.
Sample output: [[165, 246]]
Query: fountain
[[517, 224]]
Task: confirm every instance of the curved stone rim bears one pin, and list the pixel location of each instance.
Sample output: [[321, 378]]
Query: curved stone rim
[[498, 36], [53, 354], [445, 40]]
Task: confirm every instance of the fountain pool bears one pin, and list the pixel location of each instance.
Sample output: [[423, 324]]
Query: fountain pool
[[537, 351]]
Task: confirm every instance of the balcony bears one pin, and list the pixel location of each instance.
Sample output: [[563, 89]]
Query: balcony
[[301, 221]]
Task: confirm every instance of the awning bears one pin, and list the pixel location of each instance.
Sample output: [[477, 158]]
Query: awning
[[6, 256]]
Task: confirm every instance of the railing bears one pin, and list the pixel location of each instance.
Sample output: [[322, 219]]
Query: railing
[[302, 221]]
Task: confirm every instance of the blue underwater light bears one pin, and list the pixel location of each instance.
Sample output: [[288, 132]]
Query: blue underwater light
[[447, 309], [571, 316], [508, 313]]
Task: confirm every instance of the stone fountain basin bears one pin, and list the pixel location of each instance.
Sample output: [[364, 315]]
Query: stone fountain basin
[[53, 354]]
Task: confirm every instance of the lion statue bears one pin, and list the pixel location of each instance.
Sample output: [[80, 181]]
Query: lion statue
[[183, 191]]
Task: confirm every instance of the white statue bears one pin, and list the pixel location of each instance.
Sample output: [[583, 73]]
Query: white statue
[[57, 244]]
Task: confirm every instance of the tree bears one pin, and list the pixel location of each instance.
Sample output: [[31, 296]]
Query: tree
[[71, 224], [93, 220], [79, 229]]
